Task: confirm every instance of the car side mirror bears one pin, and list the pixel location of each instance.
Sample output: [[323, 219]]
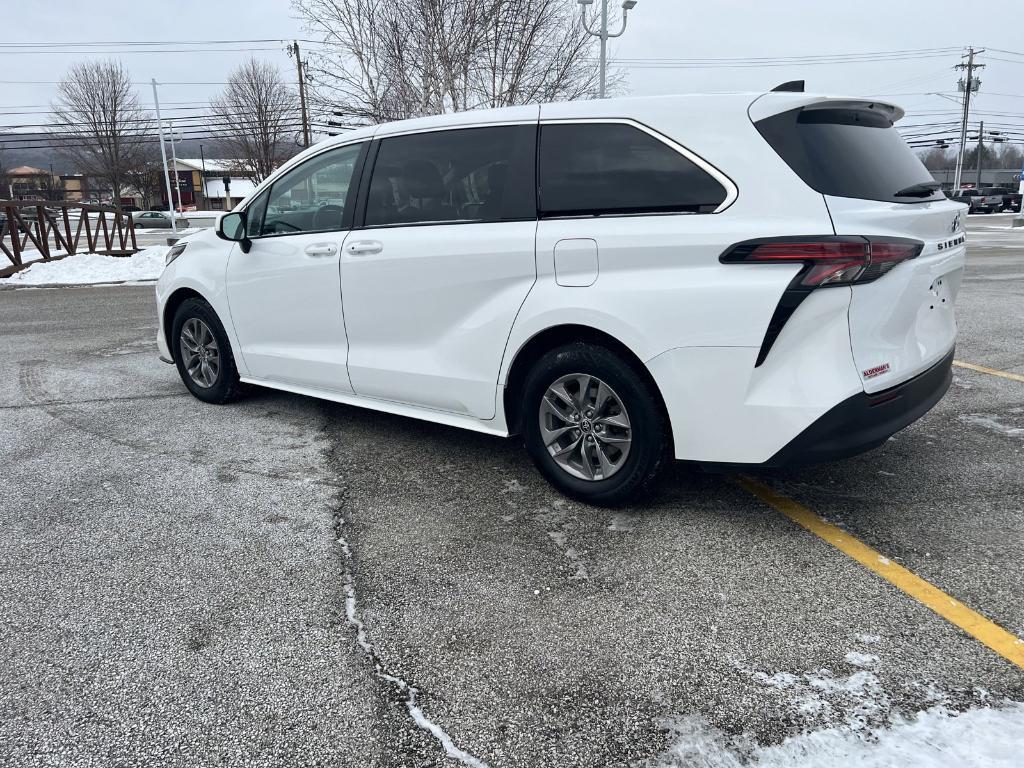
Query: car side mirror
[[232, 227]]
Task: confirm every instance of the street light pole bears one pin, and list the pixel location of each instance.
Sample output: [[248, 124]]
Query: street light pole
[[174, 160], [603, 33], [981, 148], [163, 156]]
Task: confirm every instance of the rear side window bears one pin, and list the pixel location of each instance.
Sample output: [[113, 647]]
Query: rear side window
[[456, 176], [849, 153], [611, 168]]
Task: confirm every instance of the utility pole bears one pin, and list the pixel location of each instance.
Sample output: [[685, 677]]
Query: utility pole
[[302, 90], [603, 33], [971, 84], [163, 156]]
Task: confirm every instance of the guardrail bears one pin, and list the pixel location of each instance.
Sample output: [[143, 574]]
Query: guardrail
[[46, 231]]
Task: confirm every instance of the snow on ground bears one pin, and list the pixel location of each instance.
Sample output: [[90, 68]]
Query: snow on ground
[[91, 268], [848, 718], [935, 738], [168, 232]]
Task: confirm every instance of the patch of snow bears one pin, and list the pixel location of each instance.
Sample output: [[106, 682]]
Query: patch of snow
[[867, 639], [991, 423], [935, 738], [573, 555], [168, 232], [778, 680], [622, 523], [858, 659], [93, 268]]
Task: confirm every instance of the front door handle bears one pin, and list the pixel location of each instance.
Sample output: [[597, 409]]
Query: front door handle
[[364, 247], [321, 249]]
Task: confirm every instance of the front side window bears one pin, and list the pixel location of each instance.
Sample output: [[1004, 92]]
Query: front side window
[[310, 197], [615, 169], [254, 215], [454, 176]]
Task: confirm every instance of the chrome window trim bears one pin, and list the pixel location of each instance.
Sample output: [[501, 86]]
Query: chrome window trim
[[377, 136], [731, 191]]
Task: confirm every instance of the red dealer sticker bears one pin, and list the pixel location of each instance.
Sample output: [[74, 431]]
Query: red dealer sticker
[[878, 370]]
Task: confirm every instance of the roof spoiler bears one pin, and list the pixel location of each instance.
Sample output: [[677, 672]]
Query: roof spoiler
[[793, 86]]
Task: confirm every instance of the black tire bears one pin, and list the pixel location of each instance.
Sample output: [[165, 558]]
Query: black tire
[[226, 386], [648, 423]]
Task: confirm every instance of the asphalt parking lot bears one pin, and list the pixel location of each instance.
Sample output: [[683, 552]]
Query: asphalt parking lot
[[263, 584]]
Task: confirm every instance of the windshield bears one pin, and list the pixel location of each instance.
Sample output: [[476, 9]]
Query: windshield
[[849, 153]]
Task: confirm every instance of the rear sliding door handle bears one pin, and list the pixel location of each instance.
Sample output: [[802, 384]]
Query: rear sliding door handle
[[363, 247], [321, 249]]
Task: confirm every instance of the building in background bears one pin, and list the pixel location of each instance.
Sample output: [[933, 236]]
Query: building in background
[[990, 177], [206, 191], [79, 188], [28, 183]]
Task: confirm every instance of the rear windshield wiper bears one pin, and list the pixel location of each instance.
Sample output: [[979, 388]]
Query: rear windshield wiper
[[922, 189]]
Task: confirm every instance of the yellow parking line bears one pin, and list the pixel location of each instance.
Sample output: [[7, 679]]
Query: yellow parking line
[[990, 371], [991, 634]]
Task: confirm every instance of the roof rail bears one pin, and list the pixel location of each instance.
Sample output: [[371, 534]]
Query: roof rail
[[794, 86]]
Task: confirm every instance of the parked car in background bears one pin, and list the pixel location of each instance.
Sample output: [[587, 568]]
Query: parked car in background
[[1001, 198], [618, 281], [156, 220], [974, 199]]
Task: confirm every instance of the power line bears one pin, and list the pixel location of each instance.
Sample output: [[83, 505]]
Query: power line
[[153, 42], [111, 52]]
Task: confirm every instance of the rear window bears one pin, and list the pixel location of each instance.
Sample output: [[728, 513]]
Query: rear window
[[849, 153]]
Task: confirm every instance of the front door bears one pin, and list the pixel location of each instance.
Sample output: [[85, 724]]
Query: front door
[[285, 293], [434, 279]]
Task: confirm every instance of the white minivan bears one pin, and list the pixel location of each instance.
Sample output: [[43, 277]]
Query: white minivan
[[755, 279]]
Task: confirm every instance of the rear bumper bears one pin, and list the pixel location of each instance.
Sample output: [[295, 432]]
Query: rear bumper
[[864, 421]]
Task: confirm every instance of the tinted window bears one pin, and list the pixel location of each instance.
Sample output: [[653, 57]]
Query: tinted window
[[849, 153], [465, 175], [618, 169], [312, 196]]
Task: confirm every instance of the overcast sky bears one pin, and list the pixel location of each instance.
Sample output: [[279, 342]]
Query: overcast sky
[[658, 29]]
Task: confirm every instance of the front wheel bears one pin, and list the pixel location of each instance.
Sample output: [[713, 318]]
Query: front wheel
[[202, 353], [594, 426]]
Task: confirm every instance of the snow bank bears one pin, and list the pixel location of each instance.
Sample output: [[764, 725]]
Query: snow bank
[[90, 268], [936, 738]]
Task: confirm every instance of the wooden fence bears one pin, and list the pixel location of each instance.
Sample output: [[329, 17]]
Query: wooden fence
[[44, 231]]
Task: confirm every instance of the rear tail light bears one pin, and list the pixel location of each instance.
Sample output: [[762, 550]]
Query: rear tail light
[[827, 260], [830, 260]]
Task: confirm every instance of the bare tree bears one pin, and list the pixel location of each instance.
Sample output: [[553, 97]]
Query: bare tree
[[935, 158], [98, 122], [394, 59], [256, 118], [147, 177]]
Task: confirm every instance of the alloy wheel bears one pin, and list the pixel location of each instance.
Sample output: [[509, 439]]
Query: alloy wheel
[[585, 427], [200, 353]]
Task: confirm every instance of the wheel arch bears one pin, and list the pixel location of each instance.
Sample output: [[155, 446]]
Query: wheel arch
[[556, 336], [178, 297]]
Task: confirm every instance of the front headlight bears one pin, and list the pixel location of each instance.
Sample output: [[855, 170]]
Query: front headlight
[[174, 252]]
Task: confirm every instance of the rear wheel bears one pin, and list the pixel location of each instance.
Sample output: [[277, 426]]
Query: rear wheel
[[202, 353], [594, 426]]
